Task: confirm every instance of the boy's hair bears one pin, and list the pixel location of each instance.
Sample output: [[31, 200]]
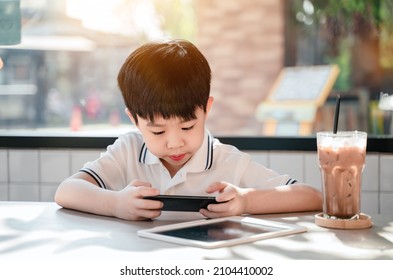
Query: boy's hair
[[167, 79]]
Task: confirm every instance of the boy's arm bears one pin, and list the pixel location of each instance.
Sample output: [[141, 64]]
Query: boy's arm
[[81, 192], [283, 199], [290, 198]]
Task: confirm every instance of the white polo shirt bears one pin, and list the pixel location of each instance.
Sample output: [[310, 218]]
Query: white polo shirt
[[129, 159]]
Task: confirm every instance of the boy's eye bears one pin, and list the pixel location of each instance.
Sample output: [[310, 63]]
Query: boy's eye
[[188, 128], [157, 132]]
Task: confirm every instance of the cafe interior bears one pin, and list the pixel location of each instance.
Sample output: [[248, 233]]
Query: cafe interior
[[278, 68]]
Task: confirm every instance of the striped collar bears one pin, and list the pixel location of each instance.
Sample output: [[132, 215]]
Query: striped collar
[[200, 161]]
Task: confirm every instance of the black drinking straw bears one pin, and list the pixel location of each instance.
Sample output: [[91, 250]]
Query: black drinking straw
[[337, 112]]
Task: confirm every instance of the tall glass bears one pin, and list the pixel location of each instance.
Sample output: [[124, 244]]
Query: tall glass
[[341, 160]]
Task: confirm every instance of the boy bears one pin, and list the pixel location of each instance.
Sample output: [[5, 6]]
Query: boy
[[166, 89]]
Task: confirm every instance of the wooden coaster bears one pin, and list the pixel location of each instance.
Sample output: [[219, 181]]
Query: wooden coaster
[[364, 221]]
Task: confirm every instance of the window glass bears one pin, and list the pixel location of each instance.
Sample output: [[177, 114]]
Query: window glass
[[62, 77]]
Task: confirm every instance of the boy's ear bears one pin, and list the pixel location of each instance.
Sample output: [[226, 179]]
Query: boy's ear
[[130, 116], [209, 105]]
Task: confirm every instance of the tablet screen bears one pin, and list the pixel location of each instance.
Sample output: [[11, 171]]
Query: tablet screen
[[225, 230]]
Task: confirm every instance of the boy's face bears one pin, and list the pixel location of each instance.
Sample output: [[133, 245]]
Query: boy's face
[[174, 140]]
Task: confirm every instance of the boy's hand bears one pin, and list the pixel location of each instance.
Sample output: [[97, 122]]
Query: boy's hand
[[130, 204], [233, 198]]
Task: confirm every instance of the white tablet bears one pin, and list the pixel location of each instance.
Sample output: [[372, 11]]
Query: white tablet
[[220, 232]]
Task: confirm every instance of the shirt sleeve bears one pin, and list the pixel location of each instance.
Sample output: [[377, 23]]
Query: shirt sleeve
[[242, 171], [109, 170]]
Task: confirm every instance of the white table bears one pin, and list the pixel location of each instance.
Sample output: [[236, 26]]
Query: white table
[[36, 230]]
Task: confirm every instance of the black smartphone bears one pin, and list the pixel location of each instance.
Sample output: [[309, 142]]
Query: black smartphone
[[183, 202]]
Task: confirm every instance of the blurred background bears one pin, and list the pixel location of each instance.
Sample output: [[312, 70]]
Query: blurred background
[[62, 76]]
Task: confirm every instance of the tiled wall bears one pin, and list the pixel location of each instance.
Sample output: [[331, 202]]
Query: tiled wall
[[33, 175]]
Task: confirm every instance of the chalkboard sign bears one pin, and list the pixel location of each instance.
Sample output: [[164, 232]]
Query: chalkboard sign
[[304, 83], [294, 98]]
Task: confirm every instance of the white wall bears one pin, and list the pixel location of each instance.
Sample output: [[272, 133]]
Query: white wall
[[33, 174]]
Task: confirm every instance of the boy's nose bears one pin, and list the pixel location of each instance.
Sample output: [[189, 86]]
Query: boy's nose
[[175, 142]]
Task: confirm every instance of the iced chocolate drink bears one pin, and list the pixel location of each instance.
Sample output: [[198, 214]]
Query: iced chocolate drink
[[341, 160]]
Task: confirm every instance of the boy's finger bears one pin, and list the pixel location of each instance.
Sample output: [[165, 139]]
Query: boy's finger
[[147, 191], [148, 214], [150, 204], [226, 194], [215, 187], [138, 183], [217, 208], [210, 214]]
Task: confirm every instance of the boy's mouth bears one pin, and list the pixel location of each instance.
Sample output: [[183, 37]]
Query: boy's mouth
[[177, 157]]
